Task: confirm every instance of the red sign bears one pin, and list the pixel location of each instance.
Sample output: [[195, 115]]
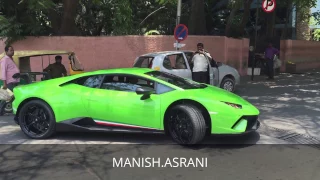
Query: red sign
[[268, 5]]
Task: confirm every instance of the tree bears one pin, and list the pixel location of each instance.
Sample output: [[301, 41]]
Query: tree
[[245, 16], [302, 16], [315, 32], [197, 22], [235, 6], [21, 18], [68, 24]]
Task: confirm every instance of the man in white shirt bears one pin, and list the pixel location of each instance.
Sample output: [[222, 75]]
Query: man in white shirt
[[200, 65]]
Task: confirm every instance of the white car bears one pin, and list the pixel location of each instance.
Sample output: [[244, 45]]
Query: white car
[[179, 64]]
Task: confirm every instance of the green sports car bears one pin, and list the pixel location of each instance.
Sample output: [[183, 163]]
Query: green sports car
[[131, 100]]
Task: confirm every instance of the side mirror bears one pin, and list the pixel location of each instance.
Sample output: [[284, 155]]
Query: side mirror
[[145, 92]]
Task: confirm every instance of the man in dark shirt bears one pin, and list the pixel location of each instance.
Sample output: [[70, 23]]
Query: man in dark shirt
[[56, 69], [269, 55]]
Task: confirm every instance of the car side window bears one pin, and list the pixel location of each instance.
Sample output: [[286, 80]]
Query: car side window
[[189, 57], [161, 88], [144, 62], [167, 63], [174, 61], [125, 83], [91, 81]]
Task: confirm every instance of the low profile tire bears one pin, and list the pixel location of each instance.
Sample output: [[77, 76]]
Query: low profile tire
[[37, 120], [186, 125], [228, 84]]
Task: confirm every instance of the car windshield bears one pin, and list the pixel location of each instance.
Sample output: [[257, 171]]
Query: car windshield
[[176, 80]]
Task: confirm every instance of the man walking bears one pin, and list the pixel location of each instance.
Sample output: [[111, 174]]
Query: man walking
[[200, 65], [56, 69], [269, 55], [8, 69]]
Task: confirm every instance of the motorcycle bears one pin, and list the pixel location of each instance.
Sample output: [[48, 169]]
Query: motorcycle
[[28, 77]]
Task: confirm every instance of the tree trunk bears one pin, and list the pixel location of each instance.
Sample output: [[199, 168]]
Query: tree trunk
[[284, 33], [235, 8], [245, 17], [271, 17], [302, 26], [55, 19], [197, 21], [68, 25]]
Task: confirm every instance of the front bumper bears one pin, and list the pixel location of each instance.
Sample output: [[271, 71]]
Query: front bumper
[[245, 124]]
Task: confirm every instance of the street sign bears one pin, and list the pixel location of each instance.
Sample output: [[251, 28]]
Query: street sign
[[181, 32], [178, 45], [268, 5]]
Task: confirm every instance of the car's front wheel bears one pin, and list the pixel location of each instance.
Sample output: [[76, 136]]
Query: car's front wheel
[[228, 84], [37, 120], [186, 125]]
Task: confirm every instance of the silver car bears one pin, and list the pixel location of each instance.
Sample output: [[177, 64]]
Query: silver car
[[179, 63]]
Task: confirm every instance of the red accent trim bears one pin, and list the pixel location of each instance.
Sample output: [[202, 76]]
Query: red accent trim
[[110, 124], [121, 125]]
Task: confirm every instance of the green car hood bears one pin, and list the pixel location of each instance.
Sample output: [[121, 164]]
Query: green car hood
[[219, 94], [213, 97]]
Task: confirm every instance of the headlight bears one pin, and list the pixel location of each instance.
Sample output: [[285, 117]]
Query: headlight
[[237, 106]]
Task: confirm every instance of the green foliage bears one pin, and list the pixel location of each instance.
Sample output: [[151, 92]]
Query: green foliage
[[316, 16], [20, 18], [149, 16], [164, 2], [316, 35], [122, 18], [23, 18], [316, 32], [93, 17]]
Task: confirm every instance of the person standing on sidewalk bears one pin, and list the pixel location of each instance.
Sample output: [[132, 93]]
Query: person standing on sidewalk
[[8, 69], [269, 55], [200, 64]]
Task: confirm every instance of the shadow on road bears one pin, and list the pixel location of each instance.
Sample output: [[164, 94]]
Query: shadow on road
[[290, 102], [152, 139], [93, 161], [11, 134]]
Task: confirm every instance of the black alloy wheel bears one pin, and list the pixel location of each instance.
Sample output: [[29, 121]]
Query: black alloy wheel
[[36, 120], [186, 124]]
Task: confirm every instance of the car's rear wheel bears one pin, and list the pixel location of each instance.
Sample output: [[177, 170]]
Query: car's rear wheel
[[228, 84], [37, 120], [186, 125]]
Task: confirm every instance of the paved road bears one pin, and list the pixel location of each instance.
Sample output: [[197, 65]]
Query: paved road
[[10, 133], [291, 102], [243, 162]]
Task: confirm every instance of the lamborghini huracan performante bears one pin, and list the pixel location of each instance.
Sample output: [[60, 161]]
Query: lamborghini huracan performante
[[131, 100]]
